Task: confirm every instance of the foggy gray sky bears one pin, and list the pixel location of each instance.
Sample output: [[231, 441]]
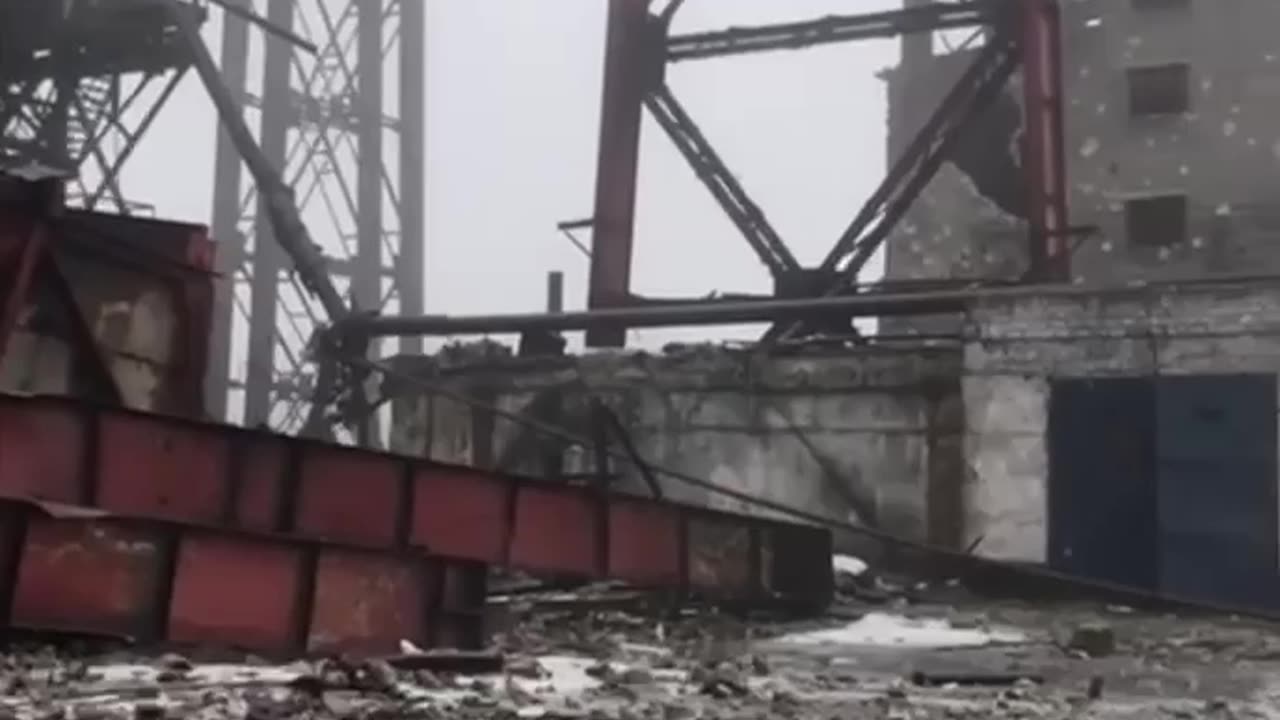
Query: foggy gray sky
[[513, 91]]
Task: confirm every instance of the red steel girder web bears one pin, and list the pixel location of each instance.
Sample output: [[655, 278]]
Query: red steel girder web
[[1025, 34], [253, 505]]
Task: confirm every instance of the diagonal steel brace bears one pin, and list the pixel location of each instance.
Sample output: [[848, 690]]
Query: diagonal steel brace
[[745, 214]]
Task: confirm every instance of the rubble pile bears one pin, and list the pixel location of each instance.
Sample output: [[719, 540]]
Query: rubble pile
[[605, 653]]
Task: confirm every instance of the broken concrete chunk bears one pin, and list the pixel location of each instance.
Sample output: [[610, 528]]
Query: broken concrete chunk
[[1094, 639], [526, 667], [176, 662], [635, 676]]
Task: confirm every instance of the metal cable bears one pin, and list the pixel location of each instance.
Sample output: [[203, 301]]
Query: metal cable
[[564, 435]]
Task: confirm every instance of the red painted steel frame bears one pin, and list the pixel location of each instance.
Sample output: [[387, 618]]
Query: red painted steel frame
[[625, 67], [87, 572], [103, 260], [622, 107], [139, 465], [1044, 153]]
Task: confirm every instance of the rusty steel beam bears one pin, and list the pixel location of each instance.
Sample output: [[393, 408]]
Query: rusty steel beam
[[688, 313], [639, 47], [627, 70], [1044, 156], [139, 465], [148, 581]]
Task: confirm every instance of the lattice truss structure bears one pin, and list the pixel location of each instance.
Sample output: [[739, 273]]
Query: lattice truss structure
[[345, 124], [80, 85]]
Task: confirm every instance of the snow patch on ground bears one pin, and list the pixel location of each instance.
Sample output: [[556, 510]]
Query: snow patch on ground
[[568, 676], [211, 674], [848, 565], [882, 630]]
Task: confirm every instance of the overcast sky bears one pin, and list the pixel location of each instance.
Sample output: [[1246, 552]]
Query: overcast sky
[[513, 90]]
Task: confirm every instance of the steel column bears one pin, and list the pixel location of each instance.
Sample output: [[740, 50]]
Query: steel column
[[227, 173], [622, 102], [360, 217], [413, 152], [1044, 155], [366, 280], [268, 259]]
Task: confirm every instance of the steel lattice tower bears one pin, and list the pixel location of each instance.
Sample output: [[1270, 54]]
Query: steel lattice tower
[[346, 126], [80, 85]]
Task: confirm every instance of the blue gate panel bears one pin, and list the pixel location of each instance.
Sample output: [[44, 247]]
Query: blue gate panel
[[1216, 460], [1102, 495]]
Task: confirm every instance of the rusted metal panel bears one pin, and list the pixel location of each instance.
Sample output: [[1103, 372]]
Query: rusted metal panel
[[556, 531], [259, 466], [140, 293], [188, 471], [86, 572], [261, 615], [330, 506], [461, 514], [41, 448], [366, 602], [87, 575], [182, 478], [645, 543]]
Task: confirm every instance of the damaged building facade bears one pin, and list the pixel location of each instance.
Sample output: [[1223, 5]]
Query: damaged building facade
[[1172, 149], [1122, 427]]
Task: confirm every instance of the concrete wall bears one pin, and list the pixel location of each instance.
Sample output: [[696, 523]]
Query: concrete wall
[[869, 435], [1018, 346], [1224, 154]]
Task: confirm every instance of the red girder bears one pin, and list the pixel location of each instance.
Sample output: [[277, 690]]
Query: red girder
[[203, 475], [148, 581], [626, 83], [164, 528], [637, 49], [1044, 152]]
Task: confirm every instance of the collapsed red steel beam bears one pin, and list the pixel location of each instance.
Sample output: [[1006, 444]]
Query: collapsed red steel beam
[[145, 466], [148, 581]]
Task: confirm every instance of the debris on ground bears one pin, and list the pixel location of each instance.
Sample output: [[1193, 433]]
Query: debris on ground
[[922, 659], [1094, 640]]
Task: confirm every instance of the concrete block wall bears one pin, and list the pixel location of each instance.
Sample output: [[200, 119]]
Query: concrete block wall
[[1019, 346], [871, 435]]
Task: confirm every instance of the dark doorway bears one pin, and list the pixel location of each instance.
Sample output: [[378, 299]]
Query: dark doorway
[[1102, 494], [1167, 483], [1216, 455]]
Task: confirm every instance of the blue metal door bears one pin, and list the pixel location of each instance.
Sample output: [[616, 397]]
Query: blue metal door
[[1102, 505], [1216, 459]]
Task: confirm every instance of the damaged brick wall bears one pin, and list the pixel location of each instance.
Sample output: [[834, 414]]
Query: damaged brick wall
[[1018, 346], [868, 435], [1222, 152]]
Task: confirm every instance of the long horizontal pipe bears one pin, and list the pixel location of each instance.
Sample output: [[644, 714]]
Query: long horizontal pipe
[[684, 314], [742, 312], [828, 30]]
